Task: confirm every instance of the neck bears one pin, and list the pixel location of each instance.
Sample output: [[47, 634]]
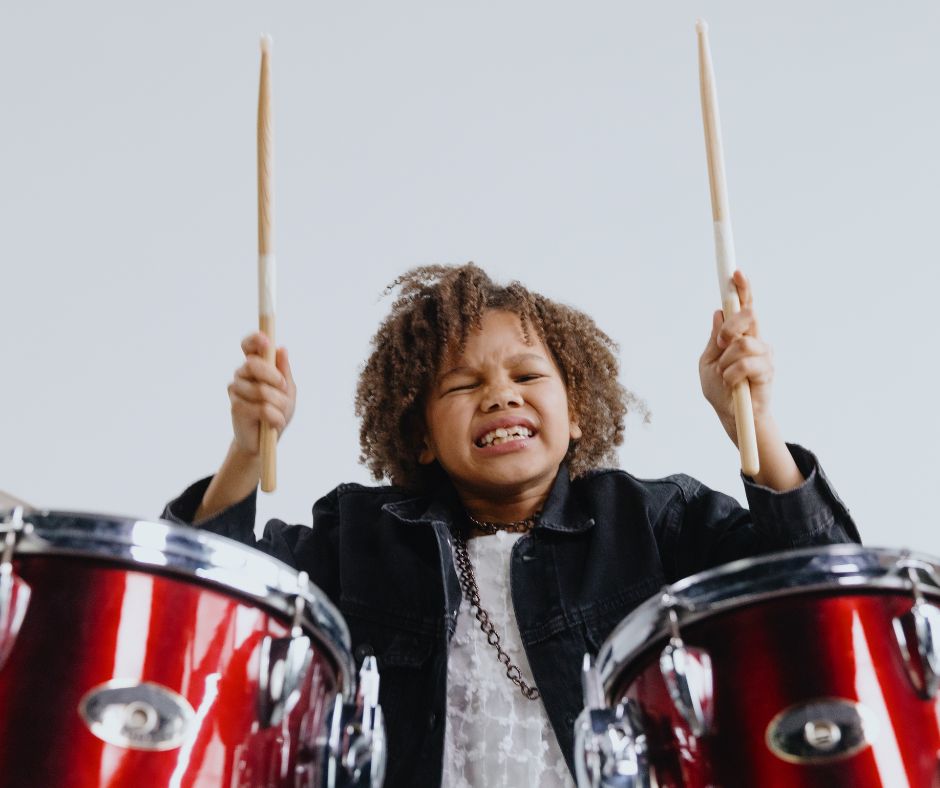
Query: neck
[[504, 511]]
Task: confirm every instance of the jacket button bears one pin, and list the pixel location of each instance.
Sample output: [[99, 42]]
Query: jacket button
[[432, 721], [362, 651]]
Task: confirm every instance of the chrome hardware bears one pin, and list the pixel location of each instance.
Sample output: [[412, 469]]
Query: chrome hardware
[[284, 664], [822, 735], [609, 744], [137, 716], [923, 620], [356, 747], [822, 730], [687, 671], [14, 591]]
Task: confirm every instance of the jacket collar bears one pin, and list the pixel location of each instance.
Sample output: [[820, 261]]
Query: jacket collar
[[562, 511]]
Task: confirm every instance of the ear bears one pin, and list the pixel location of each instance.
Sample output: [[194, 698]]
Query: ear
[[426, 456], [574, 430]]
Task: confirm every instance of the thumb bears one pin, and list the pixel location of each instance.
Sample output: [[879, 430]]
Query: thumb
[[283, 365], [712, 351]]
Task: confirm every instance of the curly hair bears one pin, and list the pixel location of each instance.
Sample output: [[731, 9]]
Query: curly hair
[[436, 308]]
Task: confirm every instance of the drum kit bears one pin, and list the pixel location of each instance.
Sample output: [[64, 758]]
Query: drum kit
[[146, 653], [155, 654]]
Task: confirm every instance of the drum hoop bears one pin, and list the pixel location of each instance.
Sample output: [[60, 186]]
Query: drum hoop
[[823, 569], [187, 552]]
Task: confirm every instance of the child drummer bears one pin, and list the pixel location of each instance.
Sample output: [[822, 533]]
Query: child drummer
[[495, 413]]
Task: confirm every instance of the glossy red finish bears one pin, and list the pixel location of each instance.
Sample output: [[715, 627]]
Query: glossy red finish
[[772, 655], [88, 623]]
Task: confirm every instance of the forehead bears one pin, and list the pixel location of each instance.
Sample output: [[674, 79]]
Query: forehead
[[499, 337]]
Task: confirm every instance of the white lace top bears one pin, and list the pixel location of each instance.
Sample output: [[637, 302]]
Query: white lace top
[[494, 735]]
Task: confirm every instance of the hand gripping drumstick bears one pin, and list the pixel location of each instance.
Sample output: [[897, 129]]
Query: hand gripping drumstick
[[266, 262], [724, 241]]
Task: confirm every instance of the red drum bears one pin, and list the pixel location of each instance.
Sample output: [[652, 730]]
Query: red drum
[[138, 653], [816, 667]]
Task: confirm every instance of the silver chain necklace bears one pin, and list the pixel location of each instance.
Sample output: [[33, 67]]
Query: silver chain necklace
[[472, 592]]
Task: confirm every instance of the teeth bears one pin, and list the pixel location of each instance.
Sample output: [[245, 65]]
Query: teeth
[[504, 434]]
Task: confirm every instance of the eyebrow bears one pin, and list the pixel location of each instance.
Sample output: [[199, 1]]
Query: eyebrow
[[512, 361]]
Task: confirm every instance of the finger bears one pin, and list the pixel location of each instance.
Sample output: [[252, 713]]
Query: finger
[[257, 369], [255, 344], [743, 347], [283, 365], [739, 324], [273, 417], [745, 292], [259, 392], [754, 369], [254, 372], [264, 413]]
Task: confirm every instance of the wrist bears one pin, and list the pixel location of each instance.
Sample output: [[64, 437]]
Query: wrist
[[778, 470], [236, 479], [242, 459]]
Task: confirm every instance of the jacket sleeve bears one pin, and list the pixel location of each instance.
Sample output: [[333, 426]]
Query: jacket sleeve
[[310, 549], [705, 528]]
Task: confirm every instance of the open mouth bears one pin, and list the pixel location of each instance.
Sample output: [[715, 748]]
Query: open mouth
[[504, 435]]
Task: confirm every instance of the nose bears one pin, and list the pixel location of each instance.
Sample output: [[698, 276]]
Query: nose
[[501, 396]]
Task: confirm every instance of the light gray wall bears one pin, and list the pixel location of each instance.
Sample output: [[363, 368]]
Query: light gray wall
[[556, 143]]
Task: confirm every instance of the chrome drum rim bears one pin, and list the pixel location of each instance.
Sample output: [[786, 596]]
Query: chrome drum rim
[[832, 568], [202, 557]]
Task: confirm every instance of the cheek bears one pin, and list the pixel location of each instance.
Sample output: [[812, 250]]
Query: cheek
[[442, 421], [561, 414]]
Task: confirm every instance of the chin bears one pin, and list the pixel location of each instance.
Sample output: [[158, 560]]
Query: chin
[[515, 478]]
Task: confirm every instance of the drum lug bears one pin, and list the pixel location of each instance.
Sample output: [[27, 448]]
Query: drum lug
[[14, 591], [687, 671], [923, 621], [356, 747], [284, 664], [610, 745]]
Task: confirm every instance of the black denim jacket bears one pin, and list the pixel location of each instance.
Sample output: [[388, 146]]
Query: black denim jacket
[[604, 543]]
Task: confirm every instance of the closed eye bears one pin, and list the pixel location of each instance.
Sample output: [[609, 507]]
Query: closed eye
[[528, 377], [463, 387]]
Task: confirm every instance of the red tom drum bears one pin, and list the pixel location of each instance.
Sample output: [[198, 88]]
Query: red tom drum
[[817, 667], [145, 653]]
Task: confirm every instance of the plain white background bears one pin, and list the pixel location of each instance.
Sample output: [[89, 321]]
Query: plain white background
[[556, 143]]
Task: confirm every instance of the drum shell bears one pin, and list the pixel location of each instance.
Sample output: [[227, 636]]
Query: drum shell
[[92, 621], [769, 657]]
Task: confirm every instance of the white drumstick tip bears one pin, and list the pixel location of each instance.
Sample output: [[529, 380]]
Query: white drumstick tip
[[266, 43], [701, 26]]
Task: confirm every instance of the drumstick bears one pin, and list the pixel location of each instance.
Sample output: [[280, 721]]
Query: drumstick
[[724, 241], [8, 501], [266, 261]]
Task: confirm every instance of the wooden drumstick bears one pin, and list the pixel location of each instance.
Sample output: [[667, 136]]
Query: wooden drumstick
[[267, 271], [724, 241]]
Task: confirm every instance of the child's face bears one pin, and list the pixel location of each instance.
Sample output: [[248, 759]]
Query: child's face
[[499, 382]]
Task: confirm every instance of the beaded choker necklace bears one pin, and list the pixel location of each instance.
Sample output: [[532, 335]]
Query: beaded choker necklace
[[516, 527]]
